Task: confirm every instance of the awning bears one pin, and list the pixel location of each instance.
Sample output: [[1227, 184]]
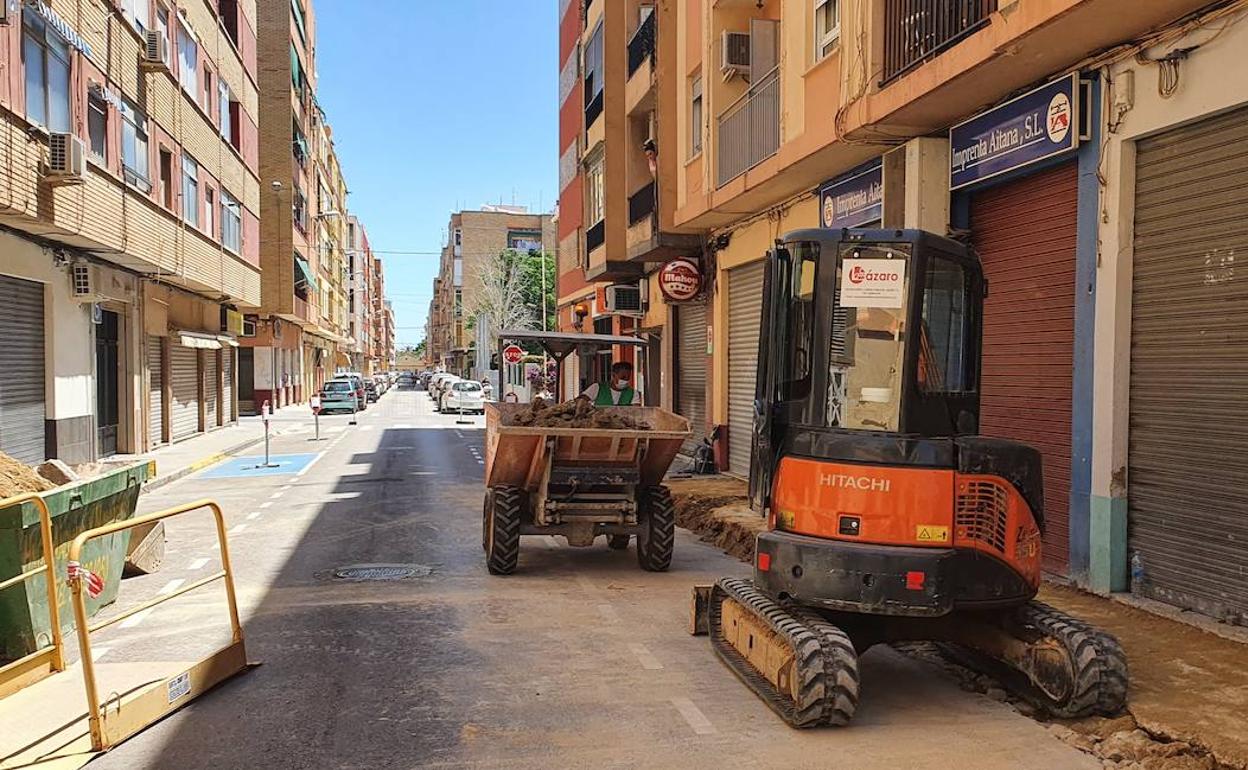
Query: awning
[[227, 339], [304, 271], [199, 340]]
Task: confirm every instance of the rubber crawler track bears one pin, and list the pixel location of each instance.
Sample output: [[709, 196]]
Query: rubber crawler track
[[1099, 663], [826, 667]]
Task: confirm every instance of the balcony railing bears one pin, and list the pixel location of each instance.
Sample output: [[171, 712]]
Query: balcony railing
[[302, 310], [595, 236], [917, 30], [593, 108], [749, 130], [642, 44], [641, 204]]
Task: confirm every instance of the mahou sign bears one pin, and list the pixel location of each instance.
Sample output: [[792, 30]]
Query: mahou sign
[[680, 280]]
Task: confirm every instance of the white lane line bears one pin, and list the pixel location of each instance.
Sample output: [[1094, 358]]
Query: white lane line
[[266, 504], [253, 515], [647, 659], [198, 564], [237, 528], [308, 467], [608, 613], [284, 487], [275, 495], [99, 652], [459, 433], [171, 586], [135, 619], [694, 716]]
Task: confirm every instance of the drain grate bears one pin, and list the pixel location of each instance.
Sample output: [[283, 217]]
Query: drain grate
[[381, 572]]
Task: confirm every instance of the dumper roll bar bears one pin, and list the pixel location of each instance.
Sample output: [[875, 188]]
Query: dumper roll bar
[[558, 345]]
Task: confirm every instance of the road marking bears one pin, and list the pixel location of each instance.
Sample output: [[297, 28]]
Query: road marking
[[459, 433], [171, 586], [198, 564], [234, 530], [307, 467], [275, 495], [98, 652], [402, 426], [284, 487], [648, 661], [267, 504], [608, 613], [694, 716], [135, 619], [253, 515]]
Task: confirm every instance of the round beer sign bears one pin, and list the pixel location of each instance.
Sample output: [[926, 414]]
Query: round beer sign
[[680, 280]]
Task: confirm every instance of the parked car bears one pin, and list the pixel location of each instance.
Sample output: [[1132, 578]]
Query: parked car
[[338, 396], [357, 382], [371, 389], [437, 384], [443, 385], [464, 396]]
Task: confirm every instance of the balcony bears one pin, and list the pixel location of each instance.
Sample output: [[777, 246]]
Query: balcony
[[304, 311], [917, 30], [641, 204], [595, 236], [641, 47], [749, 130], [593, 106]]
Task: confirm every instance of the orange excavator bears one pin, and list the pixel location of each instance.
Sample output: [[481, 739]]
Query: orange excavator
[[889, 518]]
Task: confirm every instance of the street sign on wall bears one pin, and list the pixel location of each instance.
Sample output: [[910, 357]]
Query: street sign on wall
[[854, 200], [1040, 124]]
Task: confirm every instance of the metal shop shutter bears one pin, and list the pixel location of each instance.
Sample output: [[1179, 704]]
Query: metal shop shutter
[[1187, 478], [184, 379], [229, 411], [211, 389], [156, 398], [691, 370], [21, 369], [745, 319], [1024, 232]]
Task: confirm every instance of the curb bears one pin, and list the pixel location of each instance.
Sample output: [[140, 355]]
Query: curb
[[200, 464]]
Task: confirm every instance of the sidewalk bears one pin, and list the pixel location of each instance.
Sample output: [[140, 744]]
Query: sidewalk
[[1188, 701]]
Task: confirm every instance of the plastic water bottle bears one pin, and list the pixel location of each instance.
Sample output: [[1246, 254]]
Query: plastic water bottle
[[1137, 569]]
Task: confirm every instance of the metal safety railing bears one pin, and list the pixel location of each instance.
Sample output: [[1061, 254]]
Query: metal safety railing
[[100, 740], [53, 655], [917, 30], [749, 130]]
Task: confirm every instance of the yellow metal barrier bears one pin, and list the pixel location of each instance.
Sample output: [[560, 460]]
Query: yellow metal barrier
[[48, 660], [169, 693]]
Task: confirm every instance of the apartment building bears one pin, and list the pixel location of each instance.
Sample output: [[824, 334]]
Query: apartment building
[[475, 239], [129, 203], [1091, 154], [360, 263], [331, 249], [292, 350]]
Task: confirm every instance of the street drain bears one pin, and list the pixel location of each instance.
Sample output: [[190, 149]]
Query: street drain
[[381, 572]]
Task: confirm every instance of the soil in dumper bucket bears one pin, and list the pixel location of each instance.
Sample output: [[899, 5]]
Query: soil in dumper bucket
[[579, 413], [17, 478]]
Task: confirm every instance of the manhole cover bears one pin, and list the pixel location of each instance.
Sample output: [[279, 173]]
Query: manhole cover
[[376, 572]]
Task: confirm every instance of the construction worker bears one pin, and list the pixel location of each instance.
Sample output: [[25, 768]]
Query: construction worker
[[618, 391]]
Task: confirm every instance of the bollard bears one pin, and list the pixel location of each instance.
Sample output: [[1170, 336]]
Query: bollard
[[316, 416], [265, 413]]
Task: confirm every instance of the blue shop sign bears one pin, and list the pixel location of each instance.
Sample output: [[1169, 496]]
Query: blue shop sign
[[855, 199], [1027, 129]]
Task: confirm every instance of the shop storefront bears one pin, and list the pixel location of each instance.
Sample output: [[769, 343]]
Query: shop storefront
[[745, 321], [22, 406]]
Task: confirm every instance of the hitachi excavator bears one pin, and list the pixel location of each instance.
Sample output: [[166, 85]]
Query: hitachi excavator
[[889, 518]]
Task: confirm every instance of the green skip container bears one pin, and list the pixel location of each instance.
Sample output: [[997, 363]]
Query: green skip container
[[111, 496]]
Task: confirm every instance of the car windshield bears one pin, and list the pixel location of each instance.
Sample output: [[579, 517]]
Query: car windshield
[[338, 387]]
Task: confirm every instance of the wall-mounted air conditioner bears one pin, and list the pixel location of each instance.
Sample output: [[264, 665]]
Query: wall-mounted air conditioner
[[624, 299], [734, 56], [155, 51], [67, 159]]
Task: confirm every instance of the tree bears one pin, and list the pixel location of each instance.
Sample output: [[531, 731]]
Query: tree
[[533, 285], [501, 301]]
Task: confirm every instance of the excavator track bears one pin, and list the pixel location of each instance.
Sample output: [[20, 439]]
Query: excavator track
[[1067, 667], [803, 667]]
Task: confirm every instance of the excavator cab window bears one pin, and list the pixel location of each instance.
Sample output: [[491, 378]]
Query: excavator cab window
[[945, 342]]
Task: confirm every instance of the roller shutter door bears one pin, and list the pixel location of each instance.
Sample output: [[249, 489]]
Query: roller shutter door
[[1187, 481], [212, 390], [691, 370], [21, 369], [745, 313], [1025, 233], [184, 379], [229, 412], [156, 392]]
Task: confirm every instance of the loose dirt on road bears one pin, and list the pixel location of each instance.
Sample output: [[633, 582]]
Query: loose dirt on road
[[718, 511]]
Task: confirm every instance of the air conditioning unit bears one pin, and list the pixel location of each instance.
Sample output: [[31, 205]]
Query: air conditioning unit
[[156, 51], [67, 158], [82, 280], [624, 299], [735, 53]]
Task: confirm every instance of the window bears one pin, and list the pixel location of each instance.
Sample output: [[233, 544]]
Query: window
[[138, 13], [134, 145], [827, 26], [210, 209], [226, 111], [162, 26], [97, 125], [190, 190], [46, 56], [188, 61], [231, 222], [695, 117], [594, 212], [228, 9], [206, 98], [296, 10], [299, 143], [944, 337], [166, 178], [593, 69], [799, 337], [299, 208], [297, 78]]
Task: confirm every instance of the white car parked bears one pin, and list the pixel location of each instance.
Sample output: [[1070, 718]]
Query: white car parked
[[464, 396]]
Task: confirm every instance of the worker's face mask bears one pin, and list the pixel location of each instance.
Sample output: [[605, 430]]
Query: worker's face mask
[[620, 383]]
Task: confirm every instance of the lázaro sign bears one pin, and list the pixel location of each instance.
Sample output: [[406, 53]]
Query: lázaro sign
[[1040, 124]]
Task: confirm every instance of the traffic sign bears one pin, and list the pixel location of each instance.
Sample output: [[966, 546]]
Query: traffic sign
[[512, 354]]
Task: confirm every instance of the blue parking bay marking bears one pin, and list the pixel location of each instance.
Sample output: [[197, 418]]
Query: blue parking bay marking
[[253, 466]]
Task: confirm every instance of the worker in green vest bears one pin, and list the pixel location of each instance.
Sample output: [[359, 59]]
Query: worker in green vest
[[618, 392]]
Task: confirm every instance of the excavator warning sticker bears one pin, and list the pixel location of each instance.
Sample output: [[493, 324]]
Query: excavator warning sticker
[[179, 686], [930, 533]]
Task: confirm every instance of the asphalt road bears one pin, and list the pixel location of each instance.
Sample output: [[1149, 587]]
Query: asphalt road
[[578, 660]]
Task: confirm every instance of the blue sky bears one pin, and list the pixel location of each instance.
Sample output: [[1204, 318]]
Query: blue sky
[[437, 106]]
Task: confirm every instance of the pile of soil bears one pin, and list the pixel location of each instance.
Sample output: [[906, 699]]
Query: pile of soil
[[579, 413], [17, 478]]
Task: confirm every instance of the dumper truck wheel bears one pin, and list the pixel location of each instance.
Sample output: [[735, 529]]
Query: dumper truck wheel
[[657, 534], [617, 542], [502, 530]]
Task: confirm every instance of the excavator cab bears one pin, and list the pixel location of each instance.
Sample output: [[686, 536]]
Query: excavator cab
[[889, 517]]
